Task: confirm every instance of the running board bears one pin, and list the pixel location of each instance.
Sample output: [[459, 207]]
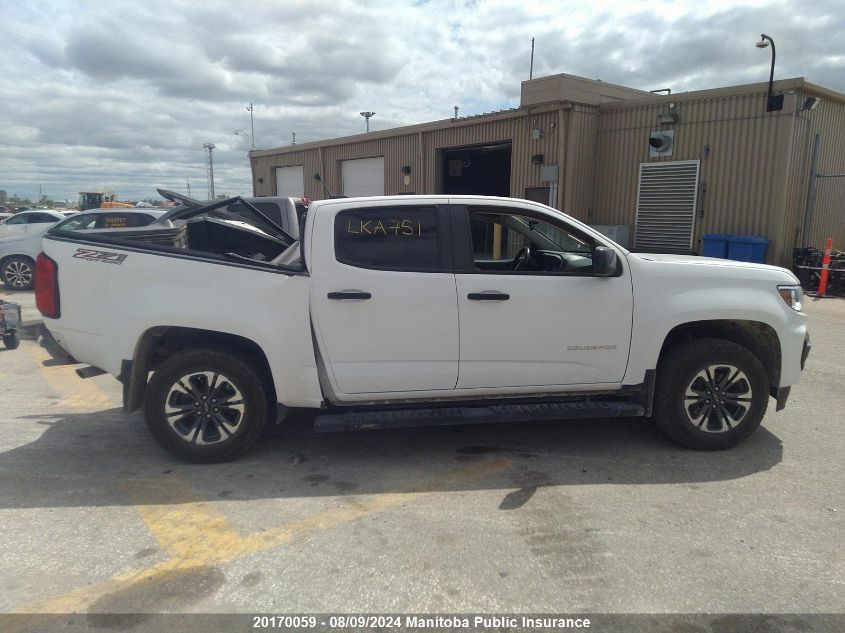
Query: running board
[[405, 418]]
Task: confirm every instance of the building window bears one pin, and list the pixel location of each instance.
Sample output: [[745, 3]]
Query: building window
[[399, 238]]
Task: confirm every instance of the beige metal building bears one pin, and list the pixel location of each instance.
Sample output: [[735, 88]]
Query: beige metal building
[[656, 172]]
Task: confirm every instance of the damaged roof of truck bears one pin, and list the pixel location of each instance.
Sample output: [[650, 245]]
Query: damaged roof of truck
[[192, 208], [208, 230]]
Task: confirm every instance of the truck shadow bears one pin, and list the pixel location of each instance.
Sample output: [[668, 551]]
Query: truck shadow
[[83, 459]]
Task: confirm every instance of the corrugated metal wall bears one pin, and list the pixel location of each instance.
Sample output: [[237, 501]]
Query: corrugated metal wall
[[754, 165], [829, 212], [744, 152], [264, 167], [422, 151], [580, 162]]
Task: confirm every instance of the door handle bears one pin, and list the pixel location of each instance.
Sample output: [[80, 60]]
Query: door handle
[[349, 294], [488, 296]]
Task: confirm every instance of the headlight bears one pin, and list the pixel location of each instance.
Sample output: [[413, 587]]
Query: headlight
[[793, 296]]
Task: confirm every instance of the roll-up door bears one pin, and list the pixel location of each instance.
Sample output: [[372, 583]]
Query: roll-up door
[[290, 181], [363, 177]]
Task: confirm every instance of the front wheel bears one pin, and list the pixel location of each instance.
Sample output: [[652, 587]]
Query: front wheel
[[711, 394], [206, 405]]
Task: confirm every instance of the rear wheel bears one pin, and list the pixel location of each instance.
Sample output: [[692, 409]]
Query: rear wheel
[[18, 273], [206, 405], [711, 394]]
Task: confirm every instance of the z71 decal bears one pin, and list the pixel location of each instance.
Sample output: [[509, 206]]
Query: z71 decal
[[103, 257]]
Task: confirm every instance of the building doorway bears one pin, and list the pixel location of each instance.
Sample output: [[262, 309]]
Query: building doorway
[[482, 170]]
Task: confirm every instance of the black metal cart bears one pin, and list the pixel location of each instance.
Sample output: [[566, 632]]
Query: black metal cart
[[807, 266], [10, 322]]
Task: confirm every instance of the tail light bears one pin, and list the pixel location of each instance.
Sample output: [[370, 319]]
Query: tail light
[[47, 287]]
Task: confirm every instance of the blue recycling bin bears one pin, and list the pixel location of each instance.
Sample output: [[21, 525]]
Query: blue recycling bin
[[715, 245], [748, 248]]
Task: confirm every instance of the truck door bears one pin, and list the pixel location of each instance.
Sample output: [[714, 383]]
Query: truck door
[[383, 296], [532, 313]]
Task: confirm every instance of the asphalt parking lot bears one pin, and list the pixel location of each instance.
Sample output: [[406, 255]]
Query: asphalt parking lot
[[571, 517]]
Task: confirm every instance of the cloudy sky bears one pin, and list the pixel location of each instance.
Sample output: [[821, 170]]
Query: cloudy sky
[[122, 95]]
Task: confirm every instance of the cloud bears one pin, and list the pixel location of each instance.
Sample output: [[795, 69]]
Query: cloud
[[123, 94]]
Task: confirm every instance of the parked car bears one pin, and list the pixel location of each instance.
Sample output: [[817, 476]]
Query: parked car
[[27, 222], [18, 252], [419, 310]]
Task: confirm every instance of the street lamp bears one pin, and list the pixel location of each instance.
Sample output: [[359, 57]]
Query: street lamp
[[367, 116], [248, 135], [209, 147], [773, 102], [251, 124]]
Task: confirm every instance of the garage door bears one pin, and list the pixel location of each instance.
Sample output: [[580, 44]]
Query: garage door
[[290, 181], [363, 177]]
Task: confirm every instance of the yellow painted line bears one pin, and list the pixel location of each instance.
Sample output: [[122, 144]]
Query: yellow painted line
[[72, 391], [194, 533], [186, 526]]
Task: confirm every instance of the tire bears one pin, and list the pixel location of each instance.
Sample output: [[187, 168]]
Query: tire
[[687, 401], [174, 411], [11, 340], [18, 273]]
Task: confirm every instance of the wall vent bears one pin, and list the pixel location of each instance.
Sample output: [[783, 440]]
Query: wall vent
[[666, 202]]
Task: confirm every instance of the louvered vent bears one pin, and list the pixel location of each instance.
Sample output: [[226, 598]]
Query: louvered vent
[[666, 207]]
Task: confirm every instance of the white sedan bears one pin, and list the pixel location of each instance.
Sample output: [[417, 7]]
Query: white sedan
[[28, 222]]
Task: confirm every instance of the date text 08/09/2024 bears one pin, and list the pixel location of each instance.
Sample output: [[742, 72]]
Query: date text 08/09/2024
[[418, 621]]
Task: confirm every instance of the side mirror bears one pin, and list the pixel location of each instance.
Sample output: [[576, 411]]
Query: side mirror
[[605, 262]]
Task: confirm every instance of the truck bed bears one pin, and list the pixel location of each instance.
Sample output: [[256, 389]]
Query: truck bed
[[206, 238]]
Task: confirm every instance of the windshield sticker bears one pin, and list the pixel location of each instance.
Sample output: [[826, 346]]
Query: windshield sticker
[[103, 257]]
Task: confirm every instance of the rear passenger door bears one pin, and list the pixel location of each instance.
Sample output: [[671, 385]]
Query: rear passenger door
[[383, 297]]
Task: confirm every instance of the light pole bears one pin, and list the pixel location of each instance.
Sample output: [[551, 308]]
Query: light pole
[[247, 134], [367, 116], [773, 102], [251, 124], [210, 148]]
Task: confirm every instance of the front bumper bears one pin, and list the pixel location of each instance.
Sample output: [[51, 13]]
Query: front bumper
[[806, 351], [781, 394]]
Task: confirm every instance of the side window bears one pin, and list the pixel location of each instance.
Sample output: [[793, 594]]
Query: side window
[[504, 241], [76, 222], [42, 218], [397, 238], [17, 219]]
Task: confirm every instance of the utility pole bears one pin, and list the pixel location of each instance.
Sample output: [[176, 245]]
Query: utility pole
[[531, 70], [188, 180], [251, 124], [368, 116], [210, 148]]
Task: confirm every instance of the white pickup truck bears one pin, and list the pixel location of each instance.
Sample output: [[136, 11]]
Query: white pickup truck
[[418, 310]]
